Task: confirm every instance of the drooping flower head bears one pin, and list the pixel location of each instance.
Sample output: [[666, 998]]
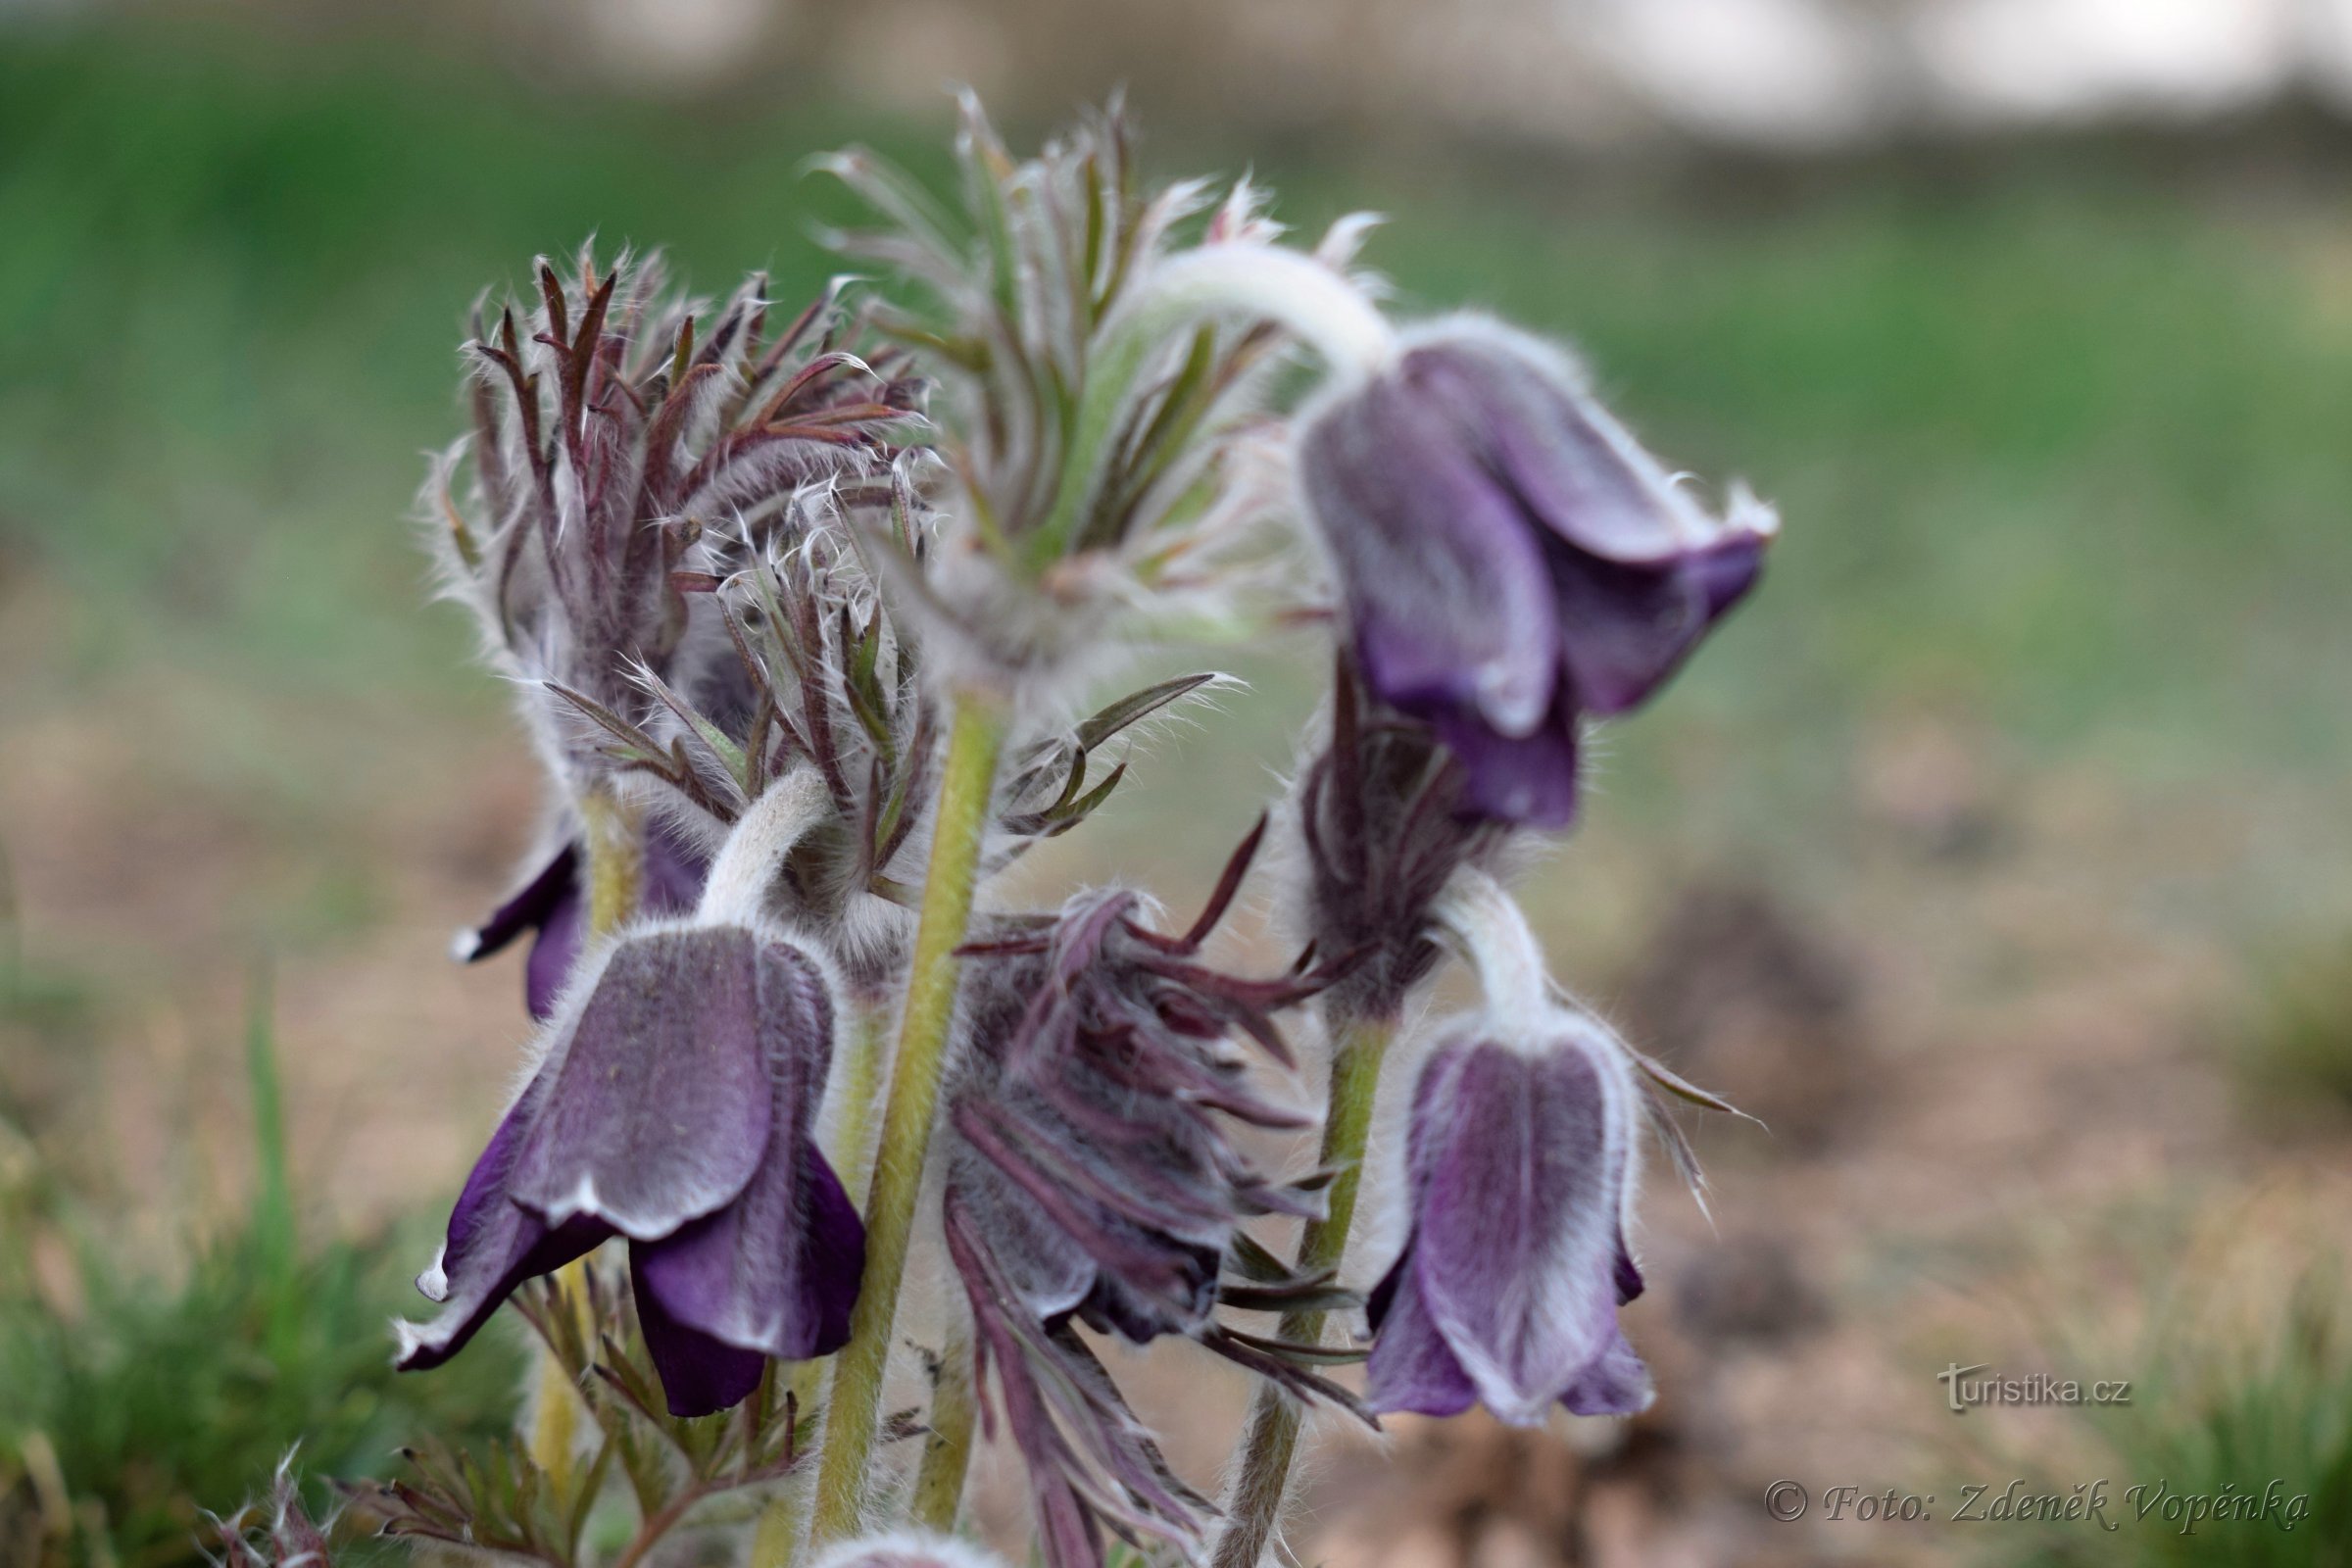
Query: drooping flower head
[[1520, 1164], [1090, 1179], [1519, 1169], [1511, 559], [672, 1106]]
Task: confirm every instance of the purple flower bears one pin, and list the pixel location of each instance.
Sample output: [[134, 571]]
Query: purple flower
[[1511, 559], [674, 1108], [1519, 1169], [555, 905]]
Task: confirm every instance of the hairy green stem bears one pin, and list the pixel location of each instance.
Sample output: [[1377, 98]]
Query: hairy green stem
[[851, 1145], [1271, 1442], [613, 830], [854, 1413], [948, 1451]]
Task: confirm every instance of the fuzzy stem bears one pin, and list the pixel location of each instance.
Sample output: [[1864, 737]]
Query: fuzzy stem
[[736, 891], [776, 1538], [612, 829], [1262, 1464], [948, 1451], [1308, 298], [850, 1144], [853, 1415], [1481, 919]]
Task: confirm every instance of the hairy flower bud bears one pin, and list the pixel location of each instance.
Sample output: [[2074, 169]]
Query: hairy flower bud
[[672, 1108], [1511, 559]]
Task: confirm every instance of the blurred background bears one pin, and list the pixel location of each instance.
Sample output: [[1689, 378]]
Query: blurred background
[[1998, 856]]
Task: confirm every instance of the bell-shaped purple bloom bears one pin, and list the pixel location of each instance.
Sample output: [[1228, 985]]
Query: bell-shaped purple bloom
[[1513, 560], [554, 902], [674, 1108], [1519, 1168]]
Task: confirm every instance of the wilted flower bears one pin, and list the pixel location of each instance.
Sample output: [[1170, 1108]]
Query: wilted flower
[[553, 904], [1519, 1175], [1090, 1178], [1511, 559], [673, 1108]]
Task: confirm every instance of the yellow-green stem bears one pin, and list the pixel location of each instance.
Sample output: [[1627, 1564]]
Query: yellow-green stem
[[852, 1144], [613, 835], [1271, 1442], [948, 1451], [853, 1415]]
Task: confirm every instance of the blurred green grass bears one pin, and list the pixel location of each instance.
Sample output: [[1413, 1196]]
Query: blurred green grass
[[2068, 449]]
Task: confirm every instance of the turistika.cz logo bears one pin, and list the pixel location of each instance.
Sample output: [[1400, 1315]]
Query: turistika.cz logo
[[1963, 1389]]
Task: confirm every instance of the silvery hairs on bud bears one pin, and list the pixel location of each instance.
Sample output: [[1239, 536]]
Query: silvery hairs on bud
[[614, 422]]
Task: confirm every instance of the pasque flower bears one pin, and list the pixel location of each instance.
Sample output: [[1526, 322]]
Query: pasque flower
[[1519, 1171], [1511, 559], [673, 1106]]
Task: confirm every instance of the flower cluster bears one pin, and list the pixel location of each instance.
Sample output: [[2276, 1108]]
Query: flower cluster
[[805, 623]]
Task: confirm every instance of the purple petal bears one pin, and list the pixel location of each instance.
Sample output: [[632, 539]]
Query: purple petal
[[698, 1374], [1530, 779], [1624, 629], [1411, 1367], [528, 908], [1444, 583], [1613, 1383], [1576, 470], [562, 935], [757, 1274], [834, 1261], [1518, 1165], [554, 904], [492, 1246], [658, 1104]]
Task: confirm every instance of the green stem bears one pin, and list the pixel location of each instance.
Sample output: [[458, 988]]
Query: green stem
[[613, 830], [1271, 1442], [948, 1451], [853, 1416], [851, 1148]]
